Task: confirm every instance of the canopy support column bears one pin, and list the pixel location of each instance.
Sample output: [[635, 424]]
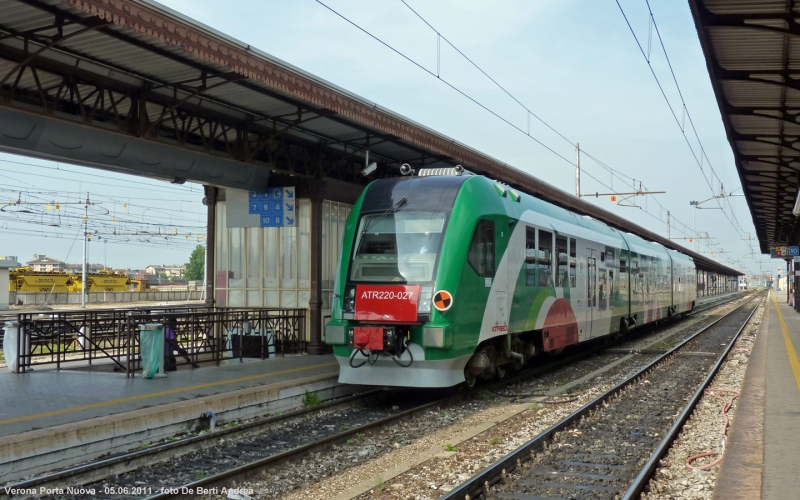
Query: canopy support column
[[315, 345]]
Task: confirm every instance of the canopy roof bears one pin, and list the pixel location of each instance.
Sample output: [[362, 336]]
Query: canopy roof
[[147, 72], [752, 50]]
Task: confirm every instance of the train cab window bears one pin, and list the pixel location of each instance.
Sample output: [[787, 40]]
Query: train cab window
[[481, 250], [544, 258], [573, 252], [562, 266], [530, 256], [399, 247]]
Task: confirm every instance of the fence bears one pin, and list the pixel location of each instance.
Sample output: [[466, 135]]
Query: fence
[[41, 299], [204, 335]]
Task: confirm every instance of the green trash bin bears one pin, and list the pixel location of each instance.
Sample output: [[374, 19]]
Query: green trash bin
[[151, 348]]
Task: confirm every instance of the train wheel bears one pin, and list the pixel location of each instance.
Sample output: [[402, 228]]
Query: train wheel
[[470, 379]]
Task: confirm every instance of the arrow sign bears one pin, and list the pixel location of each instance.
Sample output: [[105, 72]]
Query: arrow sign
[[289, 193], [290, 208], [289, 221]]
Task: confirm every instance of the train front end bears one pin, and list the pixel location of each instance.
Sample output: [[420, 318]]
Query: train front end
[[387, 326]]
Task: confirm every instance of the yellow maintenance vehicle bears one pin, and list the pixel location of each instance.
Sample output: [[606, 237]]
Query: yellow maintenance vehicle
[[140, 286], [23, 279], [104, 280]]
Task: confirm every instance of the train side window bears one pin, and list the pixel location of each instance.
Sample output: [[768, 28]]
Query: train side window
[[545, 258], [602, 290], [562, 275], [573, 252], [530, 256], [481, 249], [610, 257], [610, 289]]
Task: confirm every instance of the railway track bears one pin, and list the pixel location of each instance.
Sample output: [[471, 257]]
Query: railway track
[[243, 450], [610, 447]]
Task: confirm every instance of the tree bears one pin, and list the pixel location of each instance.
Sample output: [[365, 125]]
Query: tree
[[195, 269]]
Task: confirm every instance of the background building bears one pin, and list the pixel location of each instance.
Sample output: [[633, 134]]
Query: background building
[[45, 264]]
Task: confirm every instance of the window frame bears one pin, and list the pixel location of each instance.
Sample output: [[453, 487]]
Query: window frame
[[492, 253]]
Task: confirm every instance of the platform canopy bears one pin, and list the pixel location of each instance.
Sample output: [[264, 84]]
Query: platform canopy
[[752, 50], [132, 86]]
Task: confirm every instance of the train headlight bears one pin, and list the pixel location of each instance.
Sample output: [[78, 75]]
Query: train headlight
[[334, 334], [349, 299], [433, 336], [424, 304]]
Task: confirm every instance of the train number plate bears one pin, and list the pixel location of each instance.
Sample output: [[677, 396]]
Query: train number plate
[[391, 303]]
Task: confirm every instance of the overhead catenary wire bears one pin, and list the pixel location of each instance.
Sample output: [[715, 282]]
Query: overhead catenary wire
[[736, 227], [529, 112], [686, 110], [489, 110]]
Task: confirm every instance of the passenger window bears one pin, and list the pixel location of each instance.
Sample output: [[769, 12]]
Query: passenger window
[[481, 250], [545, 258], [562, 275], [573, 252], [610, 256], [602, 289], [610, 289], [530, 256]]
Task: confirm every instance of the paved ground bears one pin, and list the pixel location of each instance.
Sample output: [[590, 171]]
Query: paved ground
[[781, 478], [45, 398]]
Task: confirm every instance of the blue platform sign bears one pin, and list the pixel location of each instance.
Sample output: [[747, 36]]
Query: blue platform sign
[[794, 251], [276, 207]]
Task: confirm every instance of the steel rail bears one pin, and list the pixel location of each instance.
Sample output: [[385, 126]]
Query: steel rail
[[250, 469], [647, 470], [492, 474], [99, 467], [97, 470]]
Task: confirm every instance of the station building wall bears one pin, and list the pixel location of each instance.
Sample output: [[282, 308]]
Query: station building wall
[[271, 267]]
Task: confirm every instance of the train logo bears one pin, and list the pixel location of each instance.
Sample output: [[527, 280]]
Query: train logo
[[442, 300]]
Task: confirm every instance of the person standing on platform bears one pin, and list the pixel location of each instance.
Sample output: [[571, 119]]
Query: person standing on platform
[[171, 345]]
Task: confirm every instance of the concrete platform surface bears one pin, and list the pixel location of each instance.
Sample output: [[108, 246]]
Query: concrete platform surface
[[47, 398], [762, 459]]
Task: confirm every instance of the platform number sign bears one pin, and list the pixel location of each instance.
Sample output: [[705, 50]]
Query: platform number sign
[[276, 207]]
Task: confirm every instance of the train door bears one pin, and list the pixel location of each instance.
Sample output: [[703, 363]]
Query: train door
[[591, 289]]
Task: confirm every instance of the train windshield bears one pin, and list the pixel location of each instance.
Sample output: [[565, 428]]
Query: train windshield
[[401, 247]]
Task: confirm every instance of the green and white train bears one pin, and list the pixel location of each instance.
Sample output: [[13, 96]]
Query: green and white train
[[447, 277]]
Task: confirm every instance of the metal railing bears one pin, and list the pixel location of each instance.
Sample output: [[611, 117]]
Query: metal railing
[[203, 335]]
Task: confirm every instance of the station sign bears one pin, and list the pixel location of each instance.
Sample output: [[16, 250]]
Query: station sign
[[277, 207], [779, 252]]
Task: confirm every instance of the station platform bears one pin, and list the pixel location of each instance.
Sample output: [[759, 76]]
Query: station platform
[[710, 299], [762, 457], [52, 418]]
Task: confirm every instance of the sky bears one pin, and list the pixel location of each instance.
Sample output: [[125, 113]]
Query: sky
[[573, 64]]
